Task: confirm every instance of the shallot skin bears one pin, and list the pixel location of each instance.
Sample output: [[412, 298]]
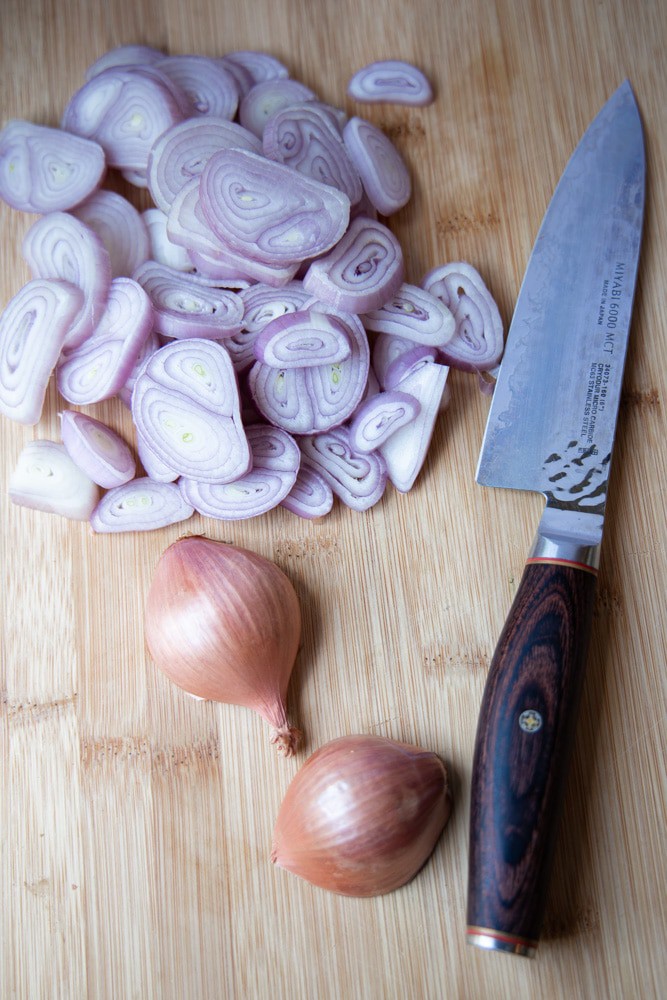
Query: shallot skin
[[224, 623], [362, 815]]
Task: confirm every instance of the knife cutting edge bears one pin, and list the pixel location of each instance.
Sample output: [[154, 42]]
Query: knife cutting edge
[[551, 429]]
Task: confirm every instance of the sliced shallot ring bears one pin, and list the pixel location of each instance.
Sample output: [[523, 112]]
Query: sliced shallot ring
[[161, 248], [358, 480], [275, 462], [362, 271], [125, 109], [268, 211], [185, 306], [186, 225], [380, 416], [311, 496], [120, 227], [407, 363], [382, 169], [303, 339], [477, 344], [307, 138], [58, 246], [386, 348], [100, 367], [414, 314], [140, 505], [311, 400], [125, 55], [185, 404], [98, 451], [181, 153], [150, 346], [230, 265], [405, 451], [258, 66], [153, 467], [209, 87], [268, 97], [33, 329], [46, 478], [263, 303], [47, 170], [390, 81]]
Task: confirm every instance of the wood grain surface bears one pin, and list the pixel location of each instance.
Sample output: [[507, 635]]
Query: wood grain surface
[[136, 823]]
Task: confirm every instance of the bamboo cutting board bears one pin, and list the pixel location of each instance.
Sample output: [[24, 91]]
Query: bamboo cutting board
[[136, 823]]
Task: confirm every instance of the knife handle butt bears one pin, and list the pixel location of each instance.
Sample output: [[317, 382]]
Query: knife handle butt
[[522, 750]]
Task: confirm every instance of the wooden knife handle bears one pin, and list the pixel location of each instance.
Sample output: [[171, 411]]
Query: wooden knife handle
[[522, 749]]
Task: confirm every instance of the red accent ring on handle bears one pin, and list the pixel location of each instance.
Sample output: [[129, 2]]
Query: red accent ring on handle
[[561, 562]]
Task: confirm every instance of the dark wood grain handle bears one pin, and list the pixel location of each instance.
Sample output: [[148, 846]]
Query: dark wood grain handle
[[522, 749]]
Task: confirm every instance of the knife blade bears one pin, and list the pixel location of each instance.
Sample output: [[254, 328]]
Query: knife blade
[[550, 429]]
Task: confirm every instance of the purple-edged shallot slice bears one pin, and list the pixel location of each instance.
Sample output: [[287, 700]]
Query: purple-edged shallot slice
[[307, 138], [255, 66], [209, 87], [47, 170], [390, 81], [100, 367], [33, 328], [361, 272], [477, 343], [382, 169], [275, 463], [186, 406], [358, 480], [125, 55], [46, 478], [268, 97], [59, 246], [98, 451], [140, 505], [405, 451], [414, 314], [269, 212], [186, 306], [313, 399], [380, 416], [161, 248], [183, 151], [121, 228], [303, 339], [125, 109], [310, 497]]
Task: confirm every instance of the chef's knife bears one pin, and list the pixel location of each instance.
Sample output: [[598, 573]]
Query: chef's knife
[[551, 429]]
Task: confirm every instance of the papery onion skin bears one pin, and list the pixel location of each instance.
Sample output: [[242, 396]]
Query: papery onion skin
[[362, 815], [224, 623]]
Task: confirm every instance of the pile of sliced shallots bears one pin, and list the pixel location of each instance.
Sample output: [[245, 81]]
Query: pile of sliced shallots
[[256, 319]]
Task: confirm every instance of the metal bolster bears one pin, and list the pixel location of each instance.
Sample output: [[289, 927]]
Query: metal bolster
[[568, 536]]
